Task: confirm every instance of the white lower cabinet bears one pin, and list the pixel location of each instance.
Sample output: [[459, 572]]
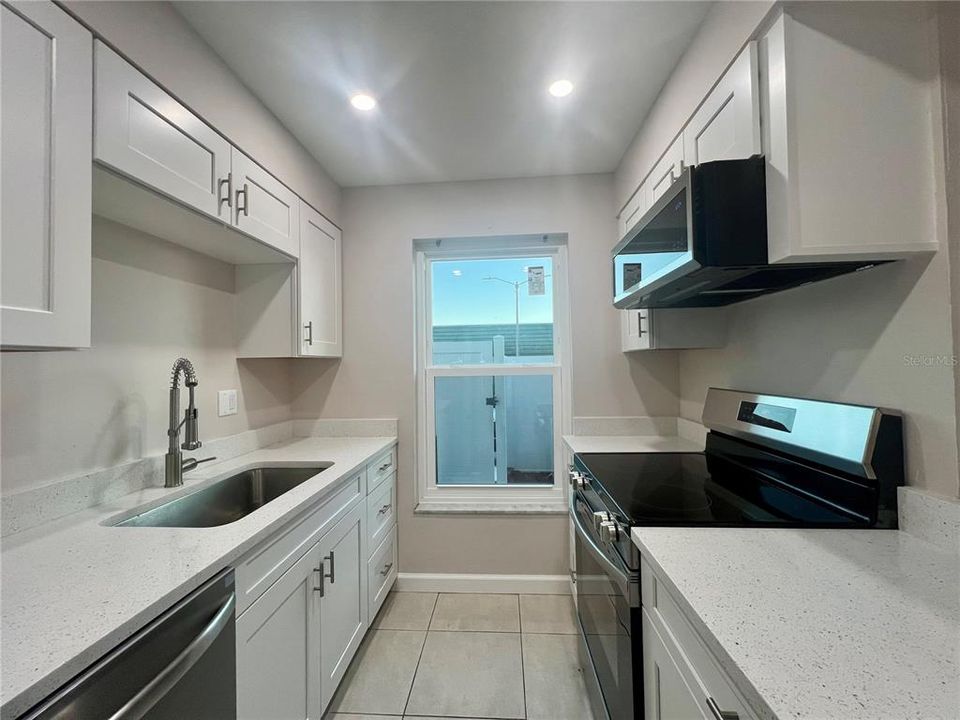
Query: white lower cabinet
[[296, 640], [666, 695], [343, 598], [681, 678], [382, 562], [278, 648], [382, 571]]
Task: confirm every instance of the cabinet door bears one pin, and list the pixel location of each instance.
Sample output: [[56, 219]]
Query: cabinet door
[[46, 96], [666, 695], [665, 171], [263, 207], [343, 602], [142, 132], [319, 285], [635, 330], [727, 125], [278, 661]]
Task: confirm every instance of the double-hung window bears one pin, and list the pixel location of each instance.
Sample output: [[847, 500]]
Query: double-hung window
[[491, 347]]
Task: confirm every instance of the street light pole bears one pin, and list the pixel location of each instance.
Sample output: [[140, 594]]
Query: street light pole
[[516, 284]]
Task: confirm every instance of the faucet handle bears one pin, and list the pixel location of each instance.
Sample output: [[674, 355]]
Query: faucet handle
[[191, 463]]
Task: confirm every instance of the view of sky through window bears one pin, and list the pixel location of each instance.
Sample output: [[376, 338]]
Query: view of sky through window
[[462, 295]]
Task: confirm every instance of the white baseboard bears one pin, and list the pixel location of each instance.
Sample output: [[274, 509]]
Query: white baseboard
[[484, 583]]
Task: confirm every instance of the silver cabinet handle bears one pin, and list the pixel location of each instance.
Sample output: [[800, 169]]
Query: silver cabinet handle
[[309, 328], [225, 197], [141, 703], [640, 318], [721, 714], [384, 466], [384, 509], [246, 200], [386, 569]]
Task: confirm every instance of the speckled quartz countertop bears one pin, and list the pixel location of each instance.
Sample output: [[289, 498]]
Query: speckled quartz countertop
[[823, 624], [75, 588]]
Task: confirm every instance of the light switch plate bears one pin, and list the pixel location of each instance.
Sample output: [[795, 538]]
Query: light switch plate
[[226, 403]]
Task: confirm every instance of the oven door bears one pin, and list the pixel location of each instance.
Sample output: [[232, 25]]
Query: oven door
[[608, 601]]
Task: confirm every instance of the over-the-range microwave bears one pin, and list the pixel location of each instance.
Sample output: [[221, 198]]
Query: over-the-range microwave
[[704, 243]]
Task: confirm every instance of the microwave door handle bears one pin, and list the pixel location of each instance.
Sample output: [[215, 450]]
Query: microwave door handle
[[621, 578], [149, 694]]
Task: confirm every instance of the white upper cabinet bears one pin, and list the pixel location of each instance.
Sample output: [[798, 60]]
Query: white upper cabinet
[[665, 172], [672, 329], [847, 101], [727, 125], [142, 132], [633, 210], [319, 277], [46, 95], [263, 207]]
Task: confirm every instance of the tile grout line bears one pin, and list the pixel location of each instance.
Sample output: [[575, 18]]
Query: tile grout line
[[523, 672], [413, 681]]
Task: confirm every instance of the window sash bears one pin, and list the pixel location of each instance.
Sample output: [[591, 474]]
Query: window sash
[[429, 492]]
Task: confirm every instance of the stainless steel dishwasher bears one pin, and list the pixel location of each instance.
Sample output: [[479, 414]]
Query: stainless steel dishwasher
[[181, 666]]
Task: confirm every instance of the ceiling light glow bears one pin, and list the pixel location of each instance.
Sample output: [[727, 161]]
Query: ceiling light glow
[[362, 101], [560, 88]]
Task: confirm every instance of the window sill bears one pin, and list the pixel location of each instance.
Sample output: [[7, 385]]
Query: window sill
[[482, 508]]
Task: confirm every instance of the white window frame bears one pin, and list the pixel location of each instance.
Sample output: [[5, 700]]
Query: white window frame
[[432, 497]]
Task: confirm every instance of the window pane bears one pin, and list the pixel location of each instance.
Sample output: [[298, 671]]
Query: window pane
[[494, 430], [484, 310]]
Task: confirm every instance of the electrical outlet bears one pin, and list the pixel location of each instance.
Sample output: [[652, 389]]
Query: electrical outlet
[[226, 403]]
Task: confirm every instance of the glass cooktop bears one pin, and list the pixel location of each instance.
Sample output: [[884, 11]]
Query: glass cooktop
[[702, 489]]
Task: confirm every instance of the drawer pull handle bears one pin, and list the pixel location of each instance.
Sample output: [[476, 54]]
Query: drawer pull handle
[[386, 569], [384, 509], [385, 466], [721, 714]]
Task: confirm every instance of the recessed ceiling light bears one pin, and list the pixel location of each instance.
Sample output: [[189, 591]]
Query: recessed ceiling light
[[362, 101], [560, 88]]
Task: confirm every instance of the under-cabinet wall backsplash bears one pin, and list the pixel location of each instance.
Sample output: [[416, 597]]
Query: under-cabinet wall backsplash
[[69, 412]]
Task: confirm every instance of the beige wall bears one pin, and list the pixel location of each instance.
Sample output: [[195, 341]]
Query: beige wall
[[67, 412], [854, 339], [376, 376], [725, 30], [950, 87], [158, 39]]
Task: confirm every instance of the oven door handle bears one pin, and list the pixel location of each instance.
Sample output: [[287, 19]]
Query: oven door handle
[[627, 588]]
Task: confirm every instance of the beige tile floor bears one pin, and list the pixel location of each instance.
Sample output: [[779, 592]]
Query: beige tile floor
[[466, 656]]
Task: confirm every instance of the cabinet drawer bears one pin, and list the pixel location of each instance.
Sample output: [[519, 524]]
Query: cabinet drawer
[[701, 671], [381, 512], [267, 562], [382, 571], [380, 468]]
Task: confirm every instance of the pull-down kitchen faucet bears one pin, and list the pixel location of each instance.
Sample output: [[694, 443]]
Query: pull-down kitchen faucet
[[174, 464]]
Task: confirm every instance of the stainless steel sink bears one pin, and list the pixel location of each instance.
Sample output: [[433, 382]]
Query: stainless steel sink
[[227, 500]]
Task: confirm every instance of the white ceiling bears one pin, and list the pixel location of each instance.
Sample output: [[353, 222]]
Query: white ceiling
[[461, 85]]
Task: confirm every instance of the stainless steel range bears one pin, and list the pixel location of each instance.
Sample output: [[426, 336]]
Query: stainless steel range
[[769, 461]]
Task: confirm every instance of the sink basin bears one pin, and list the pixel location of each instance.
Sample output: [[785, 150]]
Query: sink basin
[[225, 501]]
